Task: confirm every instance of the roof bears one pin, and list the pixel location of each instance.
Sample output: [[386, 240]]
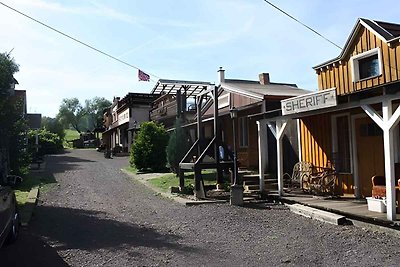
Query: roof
[[137, 98], [386, 31], [259, 91], [192, 88]]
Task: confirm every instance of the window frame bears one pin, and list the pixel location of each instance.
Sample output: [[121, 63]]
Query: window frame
[[355, 69], [335, 141]]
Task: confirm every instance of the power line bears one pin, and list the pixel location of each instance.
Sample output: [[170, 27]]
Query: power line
[[298, 21], [76, 40]]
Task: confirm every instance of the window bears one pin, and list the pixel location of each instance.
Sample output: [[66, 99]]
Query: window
[[243, 132], [366, 65], [223, 101]]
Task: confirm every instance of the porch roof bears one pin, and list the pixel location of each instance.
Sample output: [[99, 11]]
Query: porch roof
[[260, 91], [362, 98], [191, 88]]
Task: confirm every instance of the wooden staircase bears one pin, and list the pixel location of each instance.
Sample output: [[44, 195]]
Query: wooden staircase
[[251, 182]]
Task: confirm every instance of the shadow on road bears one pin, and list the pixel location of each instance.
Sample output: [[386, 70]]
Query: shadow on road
[[91, 230], [30, 250]]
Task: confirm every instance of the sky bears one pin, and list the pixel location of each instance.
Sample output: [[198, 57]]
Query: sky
[[171, 39]]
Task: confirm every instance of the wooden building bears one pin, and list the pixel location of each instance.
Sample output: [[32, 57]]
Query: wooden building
[[123, 118], [176, 99], [217, 131], [351, 123], [251, 97]]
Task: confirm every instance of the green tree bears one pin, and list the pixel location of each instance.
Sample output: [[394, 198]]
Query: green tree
[[13, 124], [71, 113], [178, 146], [94, 110], [53, 125], [148, 151]]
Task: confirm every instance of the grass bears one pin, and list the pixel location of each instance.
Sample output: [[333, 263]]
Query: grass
[[70, 135], [30, 181], [165, 182], [131, 169]]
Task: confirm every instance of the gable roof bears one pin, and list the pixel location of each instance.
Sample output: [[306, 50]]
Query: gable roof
[[259, 91], [386, 31]]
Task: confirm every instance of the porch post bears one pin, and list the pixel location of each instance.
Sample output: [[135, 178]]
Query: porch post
[[389, 160], [262, 151], [387, 123], [278, 131]]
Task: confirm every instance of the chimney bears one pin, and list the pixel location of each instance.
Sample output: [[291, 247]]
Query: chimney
[[221, 75], [264, 78]]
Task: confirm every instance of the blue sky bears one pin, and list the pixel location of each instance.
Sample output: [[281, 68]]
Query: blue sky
[[172, 39]]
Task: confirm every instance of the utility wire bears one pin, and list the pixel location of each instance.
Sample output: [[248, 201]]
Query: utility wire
[[298, 21], [76, 40]]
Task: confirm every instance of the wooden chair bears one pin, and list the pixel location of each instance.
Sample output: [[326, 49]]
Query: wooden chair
[[323, 181], [300, 176]]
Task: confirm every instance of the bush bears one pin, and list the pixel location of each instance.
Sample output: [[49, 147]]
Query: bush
[[178, 146], [148, 151], [49, 143], [54, 126]]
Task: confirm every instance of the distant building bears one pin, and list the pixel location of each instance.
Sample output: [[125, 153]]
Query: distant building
[[123, 119]]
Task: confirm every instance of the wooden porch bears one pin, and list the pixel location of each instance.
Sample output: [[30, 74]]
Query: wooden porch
[[350, 207]]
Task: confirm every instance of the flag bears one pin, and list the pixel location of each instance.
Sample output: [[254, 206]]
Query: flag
[[143, 76]]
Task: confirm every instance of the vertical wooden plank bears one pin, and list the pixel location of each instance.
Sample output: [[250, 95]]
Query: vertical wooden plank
[[332, 76], [321, 143], [372, 43], [312, 154], [316, 134], [303, 141], [323, 79], [319, 76], [364, 46], [382, 78], [336, 78], [398, 60], [345, 77], [367, 34], [341, 82], [393, 66], [309, 139], [304, 148], [328, 79], [358, 51], [328, 138], [386, 62], [363, 42]]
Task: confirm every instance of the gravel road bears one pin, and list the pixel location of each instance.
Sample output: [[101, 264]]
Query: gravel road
[[97, 216]]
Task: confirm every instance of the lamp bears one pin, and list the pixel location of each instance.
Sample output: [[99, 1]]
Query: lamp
[[234, 113], [237, 186]]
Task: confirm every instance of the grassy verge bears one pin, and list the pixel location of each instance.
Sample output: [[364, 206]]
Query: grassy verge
[[169, 180], [70, 135], [30, 181], [131, 169]]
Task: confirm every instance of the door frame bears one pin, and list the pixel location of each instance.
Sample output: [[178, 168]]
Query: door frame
[[357, 189]]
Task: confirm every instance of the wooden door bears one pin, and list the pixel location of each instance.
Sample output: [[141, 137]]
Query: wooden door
[[369, 141]]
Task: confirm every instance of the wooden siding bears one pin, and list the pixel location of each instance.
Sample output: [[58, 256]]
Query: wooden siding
[[316, 146], [340, 75], [316, 140]]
